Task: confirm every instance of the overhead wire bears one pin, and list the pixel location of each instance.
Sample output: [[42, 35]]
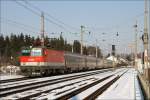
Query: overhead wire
[[46, 18], [56, 19], [18, 25], [21, 25], [36, 13], [117, 25], [13, 21]]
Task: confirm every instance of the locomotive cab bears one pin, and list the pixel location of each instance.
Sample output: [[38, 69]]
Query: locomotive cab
[[32, 57], [41, 61], [31, 60]]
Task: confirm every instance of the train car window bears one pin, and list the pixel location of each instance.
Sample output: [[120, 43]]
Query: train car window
[[36, 52], [25, 52]]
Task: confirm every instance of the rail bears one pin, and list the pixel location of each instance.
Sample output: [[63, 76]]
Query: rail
[[20, 88]]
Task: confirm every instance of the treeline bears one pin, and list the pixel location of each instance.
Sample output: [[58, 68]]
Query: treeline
[[10, 46]]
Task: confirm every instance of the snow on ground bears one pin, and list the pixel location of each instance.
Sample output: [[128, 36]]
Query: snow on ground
[[55, 91], [84, 94], [9, 69], [12, 76], [126, 88], [46, 88], [9, 76], [9, 72], [10, 84], [89, 91], [67, 89]]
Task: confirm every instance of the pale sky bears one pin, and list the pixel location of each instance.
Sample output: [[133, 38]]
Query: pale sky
[[98, 16]]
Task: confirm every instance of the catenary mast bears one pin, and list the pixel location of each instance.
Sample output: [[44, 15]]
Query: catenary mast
[[42, 30], [145, 36]]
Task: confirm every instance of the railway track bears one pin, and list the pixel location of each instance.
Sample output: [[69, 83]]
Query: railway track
[[24, 87], [95, 93], [35, 81], [73, 93], [13, 80], [27, 78], [100, 90], [73, 89], [60, 86], [55, 88]]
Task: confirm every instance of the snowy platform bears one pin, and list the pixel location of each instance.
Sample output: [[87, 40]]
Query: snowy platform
[[126, 88]]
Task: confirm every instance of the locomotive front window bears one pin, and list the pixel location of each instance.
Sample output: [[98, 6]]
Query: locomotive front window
[[36, 52], [25, 52]]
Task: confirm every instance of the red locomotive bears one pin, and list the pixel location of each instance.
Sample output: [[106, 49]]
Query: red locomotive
[[42, 61]]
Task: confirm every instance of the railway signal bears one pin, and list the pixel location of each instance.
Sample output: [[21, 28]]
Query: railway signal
[[113, 54]]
